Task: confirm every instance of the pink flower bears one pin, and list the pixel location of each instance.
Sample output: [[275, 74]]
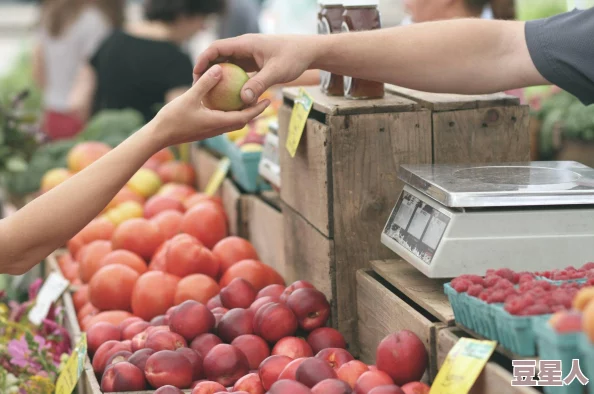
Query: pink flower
[[19, 352]]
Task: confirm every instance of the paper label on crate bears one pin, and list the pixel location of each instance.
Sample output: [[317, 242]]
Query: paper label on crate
[[216, 180], [301, 110], [462, 367], [74, 368], [52, 289]]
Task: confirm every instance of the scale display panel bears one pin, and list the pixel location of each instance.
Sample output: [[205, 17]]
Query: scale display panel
[[416, 226], [269, 167]]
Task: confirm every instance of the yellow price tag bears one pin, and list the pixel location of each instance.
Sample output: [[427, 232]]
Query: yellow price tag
[[73, 369], [218, 177], [301, 110], [463, 366]]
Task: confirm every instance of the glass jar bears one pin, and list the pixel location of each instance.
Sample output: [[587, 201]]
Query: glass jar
[[361, 15], [330, 22]]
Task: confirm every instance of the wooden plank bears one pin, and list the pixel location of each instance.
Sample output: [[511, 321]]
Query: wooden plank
[[440, 102], [493, 135], [332, 105], [265, 232], [309, 255], [427, 293], [367, 151], [306, 177], [381, 313], [231, 195], [272, 197]]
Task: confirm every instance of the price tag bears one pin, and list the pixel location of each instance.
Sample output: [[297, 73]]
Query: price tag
[[463, 366], [218, 177], [52, 289], [301, 110], [73, 369]]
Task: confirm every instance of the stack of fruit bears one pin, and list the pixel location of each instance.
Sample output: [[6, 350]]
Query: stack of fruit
[[250, 341]]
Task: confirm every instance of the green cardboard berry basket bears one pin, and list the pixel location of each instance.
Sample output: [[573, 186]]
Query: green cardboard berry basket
[[244, 169]]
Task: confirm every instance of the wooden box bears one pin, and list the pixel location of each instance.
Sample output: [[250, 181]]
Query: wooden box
[[341, 185]]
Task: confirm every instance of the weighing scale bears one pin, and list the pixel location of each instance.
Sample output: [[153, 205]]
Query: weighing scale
[[455, 219], [269, 167]]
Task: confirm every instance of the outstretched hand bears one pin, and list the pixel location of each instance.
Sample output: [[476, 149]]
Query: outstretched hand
[[186, 119], [275, 59]]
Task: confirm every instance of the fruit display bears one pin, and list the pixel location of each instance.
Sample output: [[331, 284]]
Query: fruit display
[[505, 305]]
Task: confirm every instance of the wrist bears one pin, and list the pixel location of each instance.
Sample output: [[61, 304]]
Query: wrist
[[321, 49], [154, 139]]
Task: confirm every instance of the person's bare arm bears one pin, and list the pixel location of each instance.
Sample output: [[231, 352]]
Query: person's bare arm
[[83, 90], [38, 66], [467, 56], [45, 224]]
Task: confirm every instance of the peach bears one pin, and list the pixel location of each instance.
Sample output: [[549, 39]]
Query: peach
[[300, 284], [53, 178], [204, 343], [274, 291], [274, 322], [271, 368], [139, 340], [169, 222], [105, 351], [168, 390], [583, 298], [191, 319], [178, 172], [226, 95], [255, 349], [311, 308], [292, 347], [139, 357], [390, 389], [197, 287], [566, 321], [335, 357], [350, 372], [416, 388], [195, 358], [331, 386], [84, 154], [250, 384], [313, 370], [158, 204], [214, 302], [403, 356], [134, 329], [291, 369], [186, 255], [138, 235], [232, 250], [260, 302], [234, 323], [370, 380], [288, 386], [169, 368], [238, 294], [165, 340], [225, 364], [161, 320], [100, 333], [176, 190], [372, 368], [118, 357], [325, 337], [207, 387], [123, 377]]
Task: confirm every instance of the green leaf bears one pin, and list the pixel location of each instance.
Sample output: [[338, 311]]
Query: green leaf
[[16, 164]]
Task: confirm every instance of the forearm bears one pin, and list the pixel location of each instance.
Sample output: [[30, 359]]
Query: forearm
[[308, 78], [462, 56], [48, 222]]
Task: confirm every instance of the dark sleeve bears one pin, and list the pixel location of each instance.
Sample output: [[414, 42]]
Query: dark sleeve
[[562, 49], [178, 72]]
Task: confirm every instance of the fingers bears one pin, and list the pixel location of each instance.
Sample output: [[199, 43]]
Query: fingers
[[216, 53], [207, 81], [238, 119], [259, 83]]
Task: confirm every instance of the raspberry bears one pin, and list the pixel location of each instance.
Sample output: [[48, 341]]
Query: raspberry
[[576, 275], [490, 272], [560, 297], [475, 279], [474, 290], [557, 308], [525, 278], [588, 267], [485, 294], [503, 284], [535, 310], [498, 296], [515, 305], [505, 273], [460, 285], [491, 281]]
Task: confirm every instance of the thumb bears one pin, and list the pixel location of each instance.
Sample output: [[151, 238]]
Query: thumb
[[207, 81], [259, 83]]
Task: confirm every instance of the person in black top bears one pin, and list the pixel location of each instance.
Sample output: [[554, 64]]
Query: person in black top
[[142, 66]]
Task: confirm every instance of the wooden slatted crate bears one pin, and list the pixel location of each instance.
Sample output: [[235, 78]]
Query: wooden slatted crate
[[341, 185]]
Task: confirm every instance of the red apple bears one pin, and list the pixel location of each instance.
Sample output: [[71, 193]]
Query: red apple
[[207, 387], [271, 368], [250, 384], [123, 377], [139, 357], [288, 387], [335, 357], [165, 340], [291, 369], [311, 308], [292, 347], [313, 370], [275, 321], [331, 386], [134, 329], [416, 388], [203, 343], [102, 332], [271, 291], [234, 323], [191, 319], [300, 284], [402, 356], [105, 351], [350, 372], [169, 368], [195, 359], [260, 302], [390, 389], [370, 380], [225, 364], [214, 302], [325, 337], [168, 390], [239, 293], [255, 349]]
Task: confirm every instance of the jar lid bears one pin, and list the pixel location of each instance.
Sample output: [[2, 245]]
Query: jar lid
[[361, 3], [329, 2]]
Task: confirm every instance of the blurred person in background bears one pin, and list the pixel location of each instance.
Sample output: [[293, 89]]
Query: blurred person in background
[[70, 31], [240, 17], [143, 66]]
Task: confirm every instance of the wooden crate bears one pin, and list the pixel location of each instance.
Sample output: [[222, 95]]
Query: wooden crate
[[263, 223], [384, 309], [495, 378], [342, 183]]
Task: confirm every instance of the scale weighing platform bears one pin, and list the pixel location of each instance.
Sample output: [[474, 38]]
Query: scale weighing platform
[[458, 219]]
